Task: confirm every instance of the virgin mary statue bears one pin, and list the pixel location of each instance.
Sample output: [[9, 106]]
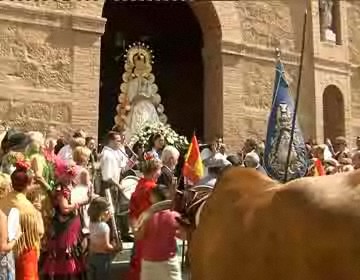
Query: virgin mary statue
[[140, 95], [139, 100]]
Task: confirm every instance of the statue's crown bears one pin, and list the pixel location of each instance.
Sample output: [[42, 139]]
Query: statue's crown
[[138, 49]]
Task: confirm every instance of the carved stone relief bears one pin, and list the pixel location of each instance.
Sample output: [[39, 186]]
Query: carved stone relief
[[53, 4], [34, 59], [267, 23], [34, 115], [258, 83]]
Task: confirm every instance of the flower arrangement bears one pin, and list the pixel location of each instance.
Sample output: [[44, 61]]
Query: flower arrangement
[[171, 137]]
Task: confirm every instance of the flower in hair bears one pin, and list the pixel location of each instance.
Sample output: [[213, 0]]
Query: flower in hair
[[148, 156], [22, 165], [71, 171]]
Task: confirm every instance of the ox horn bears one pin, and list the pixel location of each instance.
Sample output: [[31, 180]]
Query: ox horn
[[157, 207]]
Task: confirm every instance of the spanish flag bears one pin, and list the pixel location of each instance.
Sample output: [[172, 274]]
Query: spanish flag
[[193, 169], [319, 169]]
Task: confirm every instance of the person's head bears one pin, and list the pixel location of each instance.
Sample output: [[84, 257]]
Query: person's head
[[5, 185], [114, 140], [347, 168], [157, 142], [99, 210], [90, 143], [250, 145], [76, 142], [81, 155], [356, 160], [319, 151], [150, 166], [216, 164], [37, 137], [170, 157], [22, 176], [222, 148], [340, 144], [50, 144], [252, 160], [79, 134], [138, 149], [159, 193], [234, 159], [358, 142], [65, 172], [33, 147], [330, 170]]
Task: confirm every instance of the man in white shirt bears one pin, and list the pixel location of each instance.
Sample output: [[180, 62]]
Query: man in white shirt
[[113, 161]]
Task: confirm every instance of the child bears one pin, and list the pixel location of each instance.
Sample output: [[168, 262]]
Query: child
[[101, 248], [159, 241]]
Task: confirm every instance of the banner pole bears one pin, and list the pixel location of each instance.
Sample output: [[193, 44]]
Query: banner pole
[[297, 98]]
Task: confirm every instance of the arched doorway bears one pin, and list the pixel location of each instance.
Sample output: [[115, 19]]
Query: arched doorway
[[333, 113], [174, 33]]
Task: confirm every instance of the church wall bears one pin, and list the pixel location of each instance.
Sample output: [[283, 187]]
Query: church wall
[[63, 40], [353, 24], [249, 68], [331, 67], [49, 67]]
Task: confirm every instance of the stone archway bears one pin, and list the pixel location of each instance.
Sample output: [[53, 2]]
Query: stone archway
[[333, 113], [209, 111]]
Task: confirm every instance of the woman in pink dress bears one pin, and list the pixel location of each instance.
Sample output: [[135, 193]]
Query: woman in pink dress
[[64, 258], [140, 202]]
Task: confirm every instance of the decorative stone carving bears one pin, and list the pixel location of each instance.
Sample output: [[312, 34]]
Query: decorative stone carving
[[36, 61], [326, 20], [61, 113], [53, 4], [267, 23], [258, 80], [34, 115]]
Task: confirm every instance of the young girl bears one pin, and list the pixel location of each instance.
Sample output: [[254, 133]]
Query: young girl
[[159, 261], [100, 247]]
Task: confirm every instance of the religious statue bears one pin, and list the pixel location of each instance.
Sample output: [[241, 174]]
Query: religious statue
[[280, 148], [326, 20], [139, 102]]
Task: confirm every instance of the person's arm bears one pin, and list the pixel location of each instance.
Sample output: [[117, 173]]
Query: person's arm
[[5, 246], [65, 206], [180, 230], [108, 246], [85, 178]]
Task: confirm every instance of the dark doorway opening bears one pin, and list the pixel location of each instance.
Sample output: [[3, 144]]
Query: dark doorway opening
[[333, 113], [173, 33]]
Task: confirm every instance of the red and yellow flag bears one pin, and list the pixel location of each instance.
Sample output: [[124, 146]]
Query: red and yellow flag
[[319, 169], [193, 169]]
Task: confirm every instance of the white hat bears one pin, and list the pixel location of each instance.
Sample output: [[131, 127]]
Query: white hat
[[253, 157], [217, 160]]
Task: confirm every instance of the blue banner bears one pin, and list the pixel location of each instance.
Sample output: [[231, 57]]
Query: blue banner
[[279, 133]]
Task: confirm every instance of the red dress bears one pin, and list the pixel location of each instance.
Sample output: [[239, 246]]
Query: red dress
[[139, 202]]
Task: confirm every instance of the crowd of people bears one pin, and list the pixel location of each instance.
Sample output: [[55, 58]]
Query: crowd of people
[[64, 233]]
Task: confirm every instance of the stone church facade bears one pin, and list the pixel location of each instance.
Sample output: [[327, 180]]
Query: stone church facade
[[50, 65]]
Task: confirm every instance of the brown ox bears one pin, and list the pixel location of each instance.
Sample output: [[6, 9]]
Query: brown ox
[[254, 228]]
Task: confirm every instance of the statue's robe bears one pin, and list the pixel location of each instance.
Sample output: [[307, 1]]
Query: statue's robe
[[255, 228]]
